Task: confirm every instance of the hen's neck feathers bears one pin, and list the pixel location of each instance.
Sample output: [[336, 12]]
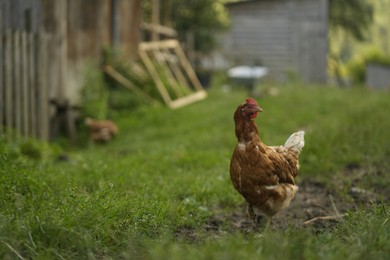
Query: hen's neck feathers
[[246, 129]]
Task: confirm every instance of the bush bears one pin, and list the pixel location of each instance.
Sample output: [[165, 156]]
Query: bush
[[94, 94], [357, 68]]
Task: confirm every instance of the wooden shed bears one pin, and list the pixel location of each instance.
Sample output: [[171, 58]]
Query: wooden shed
[[287, 36], [45, 46], [85, 28]]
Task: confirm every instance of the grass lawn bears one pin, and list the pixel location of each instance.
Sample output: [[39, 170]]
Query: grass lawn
[[161, 189]]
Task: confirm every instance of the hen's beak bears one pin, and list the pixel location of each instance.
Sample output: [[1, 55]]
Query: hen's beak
[[259, 109]]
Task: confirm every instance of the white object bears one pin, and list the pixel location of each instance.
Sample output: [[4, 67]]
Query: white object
[[247, 72]]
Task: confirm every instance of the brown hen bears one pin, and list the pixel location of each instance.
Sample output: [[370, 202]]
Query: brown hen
[[263, 175], [101, 130]]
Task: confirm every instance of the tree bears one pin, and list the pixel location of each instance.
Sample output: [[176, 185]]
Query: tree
[[203, 18], [352, 16], [349, 22]]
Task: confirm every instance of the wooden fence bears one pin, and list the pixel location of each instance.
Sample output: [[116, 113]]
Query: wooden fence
[[24, 75]]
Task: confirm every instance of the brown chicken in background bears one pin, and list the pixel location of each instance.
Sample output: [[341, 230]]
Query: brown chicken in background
[[101, 130], [263, 175]]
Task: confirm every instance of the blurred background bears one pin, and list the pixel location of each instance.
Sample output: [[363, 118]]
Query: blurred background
[[117, 130], [62, 61]]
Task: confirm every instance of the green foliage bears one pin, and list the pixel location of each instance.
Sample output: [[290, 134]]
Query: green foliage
[[31, 149], [203, 18], [94, 94], [348, 52], [41, 218], [102, 96], [149, 193], [357, 67], [365, 233], [119, 97], [353, 16]]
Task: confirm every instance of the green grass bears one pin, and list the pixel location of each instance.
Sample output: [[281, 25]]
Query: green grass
[[149, 193]]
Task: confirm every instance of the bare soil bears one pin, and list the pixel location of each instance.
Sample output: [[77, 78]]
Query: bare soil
[[315, 206]]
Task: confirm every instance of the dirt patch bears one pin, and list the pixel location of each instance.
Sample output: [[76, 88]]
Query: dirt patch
[[312, 200], [187, 233], [315, 206]]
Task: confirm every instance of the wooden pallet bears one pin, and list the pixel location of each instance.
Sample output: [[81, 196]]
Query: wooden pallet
[[128, 84], [172, 73]]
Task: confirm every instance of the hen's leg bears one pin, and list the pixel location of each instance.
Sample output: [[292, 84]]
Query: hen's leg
[[251, 212], [258, 219]]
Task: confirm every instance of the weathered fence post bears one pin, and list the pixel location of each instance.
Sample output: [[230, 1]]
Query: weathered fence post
[[43, 113], [8, 80], [2, 106], [24, 76], [16, 80], [32, 83]]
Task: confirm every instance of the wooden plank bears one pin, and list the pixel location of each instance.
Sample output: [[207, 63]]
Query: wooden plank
[[158, 45], [173, 64], [53, 68], [39, 72], [63, 42], [200, 95], [156, 78], [32, 84], [17, 82], [164, 30], [42, 111], [8, 80], [155, 18], [115, 24], [161, 60], [44, 88], [188, 68], [127, 84], [24, 92], [2, 83]]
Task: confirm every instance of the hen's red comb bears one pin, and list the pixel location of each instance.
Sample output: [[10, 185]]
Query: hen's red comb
[[251, 101]]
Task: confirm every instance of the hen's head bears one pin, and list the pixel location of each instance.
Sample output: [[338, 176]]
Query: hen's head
[[249, 109]]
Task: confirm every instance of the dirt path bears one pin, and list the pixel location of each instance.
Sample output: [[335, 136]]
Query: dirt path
[[315, 206], [314, 203]]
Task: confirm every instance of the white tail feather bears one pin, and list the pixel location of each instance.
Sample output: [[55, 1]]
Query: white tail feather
[[296, 141]]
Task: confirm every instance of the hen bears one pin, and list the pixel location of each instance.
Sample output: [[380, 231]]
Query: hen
[[263, 175], [101, 130]]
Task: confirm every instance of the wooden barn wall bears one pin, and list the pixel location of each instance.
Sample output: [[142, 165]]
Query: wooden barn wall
[[309, 44], [24, 70], [89, 30], [45, 46], [53, 13], [259, 34], [284, 35], [21, 14]]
